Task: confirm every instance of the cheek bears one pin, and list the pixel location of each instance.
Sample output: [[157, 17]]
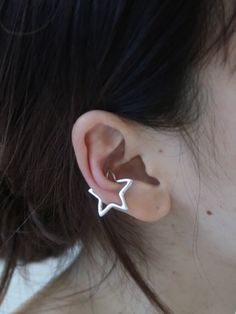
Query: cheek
[[225, 121], [219, 124]]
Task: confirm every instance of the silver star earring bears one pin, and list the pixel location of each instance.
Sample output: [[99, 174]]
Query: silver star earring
[[123, 206]]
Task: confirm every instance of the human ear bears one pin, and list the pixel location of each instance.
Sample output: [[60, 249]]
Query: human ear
[[103, 141]]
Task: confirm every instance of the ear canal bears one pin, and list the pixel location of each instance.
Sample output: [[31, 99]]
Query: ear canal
[[136, 169]]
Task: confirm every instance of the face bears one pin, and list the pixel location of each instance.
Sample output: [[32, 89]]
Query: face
[[218, 154], [196, 238]]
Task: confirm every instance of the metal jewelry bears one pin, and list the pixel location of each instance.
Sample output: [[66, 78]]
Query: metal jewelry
[[123, 206]]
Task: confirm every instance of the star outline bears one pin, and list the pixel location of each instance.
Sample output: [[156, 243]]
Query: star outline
[[122, 207]]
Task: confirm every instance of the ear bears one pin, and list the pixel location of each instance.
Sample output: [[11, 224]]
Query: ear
[[102, 141]]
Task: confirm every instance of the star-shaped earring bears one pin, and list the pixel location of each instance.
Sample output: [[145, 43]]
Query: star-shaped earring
[[122, 207]]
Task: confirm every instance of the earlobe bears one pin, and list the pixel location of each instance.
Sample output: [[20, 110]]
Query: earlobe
[[102, 141]]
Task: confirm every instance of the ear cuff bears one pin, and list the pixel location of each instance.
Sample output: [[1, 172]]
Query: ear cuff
[[123, 206]]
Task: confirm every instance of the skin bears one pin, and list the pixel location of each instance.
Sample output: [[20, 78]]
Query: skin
[[188, 218]]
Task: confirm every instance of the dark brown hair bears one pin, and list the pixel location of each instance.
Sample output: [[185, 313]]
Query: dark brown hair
[[60, 59]]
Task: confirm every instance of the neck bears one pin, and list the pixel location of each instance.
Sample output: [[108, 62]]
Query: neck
[[194, 269]]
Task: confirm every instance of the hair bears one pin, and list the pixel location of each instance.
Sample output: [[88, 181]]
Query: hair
[[60, 59]]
